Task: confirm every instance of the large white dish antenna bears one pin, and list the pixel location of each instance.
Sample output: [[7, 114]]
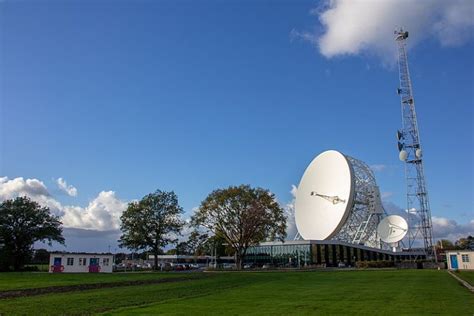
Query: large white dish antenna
[[325, 196], [392, 229]]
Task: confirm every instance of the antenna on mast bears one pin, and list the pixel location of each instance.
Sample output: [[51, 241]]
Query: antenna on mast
[[418, 206]]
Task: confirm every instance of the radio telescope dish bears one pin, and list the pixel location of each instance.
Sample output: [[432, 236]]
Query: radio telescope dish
[[338, 198], [324, 196], [392, 229]]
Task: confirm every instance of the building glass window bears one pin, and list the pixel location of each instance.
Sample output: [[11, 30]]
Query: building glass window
[[105, 261], [465, 258], [82, 261], [70, 261]]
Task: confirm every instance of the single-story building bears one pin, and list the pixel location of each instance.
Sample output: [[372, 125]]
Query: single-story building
[[78, 262], [460, 259], [327, 253], [202, 261]]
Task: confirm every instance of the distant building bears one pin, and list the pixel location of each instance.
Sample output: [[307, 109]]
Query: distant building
[[327, 253], [202, 261], [460, 259], [80, 262]]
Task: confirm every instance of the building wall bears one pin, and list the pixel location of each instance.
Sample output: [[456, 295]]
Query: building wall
[[299, 254], [463, 258], [77, 263]]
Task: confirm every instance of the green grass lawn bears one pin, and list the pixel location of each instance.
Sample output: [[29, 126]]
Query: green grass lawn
[[392, 292], [27, 280], [467, 276]]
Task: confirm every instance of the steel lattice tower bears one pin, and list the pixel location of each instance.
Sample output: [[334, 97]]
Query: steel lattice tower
[[418, 206]]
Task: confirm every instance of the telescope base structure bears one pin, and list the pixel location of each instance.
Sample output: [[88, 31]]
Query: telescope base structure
[[329, 253]]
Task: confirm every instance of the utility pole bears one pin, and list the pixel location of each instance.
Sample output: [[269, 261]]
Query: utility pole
[[409, 146]]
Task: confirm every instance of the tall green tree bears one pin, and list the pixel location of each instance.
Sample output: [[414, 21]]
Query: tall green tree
[[22, 223], [244, 216], [465, 243], [195, 243], [445, 244], [152, 223]]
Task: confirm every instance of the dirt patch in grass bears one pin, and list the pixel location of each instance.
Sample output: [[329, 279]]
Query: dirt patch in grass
[[85, 287]]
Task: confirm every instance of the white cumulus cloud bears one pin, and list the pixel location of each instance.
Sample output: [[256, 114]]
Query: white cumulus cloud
[[66, 188], [102, 213], [33, 188], [19, 186], [445, 228], [350, 27], [289, 208]]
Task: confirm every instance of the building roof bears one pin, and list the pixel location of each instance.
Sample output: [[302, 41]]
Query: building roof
[[82, 253], [338, 242]]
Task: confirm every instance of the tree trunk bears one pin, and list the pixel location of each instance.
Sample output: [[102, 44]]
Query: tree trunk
[[238, 260], [18, 259]]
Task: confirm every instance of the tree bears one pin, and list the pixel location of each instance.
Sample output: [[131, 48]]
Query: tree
[[244, 216], [465, 243], [150, 223], [22, 223], [182, 249], [195, 243], [201, 244], [171, 251], [446, 244], [41, 256]]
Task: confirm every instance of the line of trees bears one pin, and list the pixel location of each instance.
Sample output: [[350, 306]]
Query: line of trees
[[228, 221], [237, 217], [460, 244]]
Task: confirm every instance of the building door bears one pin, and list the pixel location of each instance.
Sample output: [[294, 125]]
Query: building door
[[454, 261], [57, 266], [94, 265]]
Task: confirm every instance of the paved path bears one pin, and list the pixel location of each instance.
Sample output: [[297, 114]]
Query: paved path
[[465, 283]]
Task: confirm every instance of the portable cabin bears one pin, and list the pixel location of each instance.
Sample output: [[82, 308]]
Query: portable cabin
[[65, 262], [460, 259]]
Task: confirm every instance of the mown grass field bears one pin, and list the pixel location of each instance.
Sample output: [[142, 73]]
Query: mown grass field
[[467, 276], [393, 292], [27, 280]]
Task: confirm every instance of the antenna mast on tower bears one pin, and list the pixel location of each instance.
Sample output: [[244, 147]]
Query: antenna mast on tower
[[418, 206]]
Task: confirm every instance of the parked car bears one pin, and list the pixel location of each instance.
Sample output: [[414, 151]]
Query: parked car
[[267, 266], [178, 267], [228, 266]]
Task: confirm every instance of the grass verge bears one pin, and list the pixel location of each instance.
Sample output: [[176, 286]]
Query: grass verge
[[467, 276]]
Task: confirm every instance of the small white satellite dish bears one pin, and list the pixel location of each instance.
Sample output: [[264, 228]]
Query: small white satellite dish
[[392, 229], [403, 155], [418, 153]]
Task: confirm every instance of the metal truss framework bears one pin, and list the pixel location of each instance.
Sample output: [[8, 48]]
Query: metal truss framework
[[418, 207], [366, 211]]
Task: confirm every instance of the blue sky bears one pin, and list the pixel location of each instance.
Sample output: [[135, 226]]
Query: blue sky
[[132, 97]]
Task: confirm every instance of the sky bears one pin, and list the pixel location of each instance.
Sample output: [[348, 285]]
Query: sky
[[103, 102]]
